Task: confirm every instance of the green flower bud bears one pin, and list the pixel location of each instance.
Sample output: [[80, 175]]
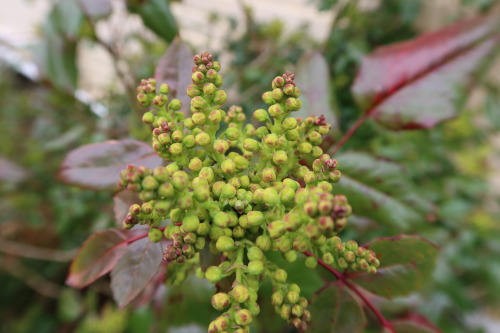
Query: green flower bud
[[213, 274], [328, 258], [283, 244], [225, 244], [277, 94], [221, 219], [155, 235], [200, 243], [270, 197], [251, 145], [203, 229], [292, 135], [285, 312], [255, 267], [143, 99], [287, 195], [276, 110], [199, 118], [261, 132], [148, 118], [277, 298], [209, 88], [238, 232], [255, 218], [195, 164], [220, 301], [289, 123], [207, 173], [198, 103], [271, 140], [220, 97], [276, 229], [254, 308], [180, 180], [175, 105], [228, 191], [149, 183], [263, 242], [311, 262], [218, 81], [228, 167], [202, 139], [232, 133], [297, 310], [188, 122], [261, 115], [198, 77], [267, 98], [221, 146], [278, 82], [292, 297], [317, 152], [293, 104], [315, 138], [243, 317], [291, 256], [305, 148], [241, 163], [280, 157], [254, 253], [240, 293], [190, 223], [335, 176]]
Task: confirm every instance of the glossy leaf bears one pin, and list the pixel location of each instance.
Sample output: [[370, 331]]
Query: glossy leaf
[[406, 265], [97, 166], [336, 310], [313, 78], [417, 83], [378, 189], [96, 9], [174, 68], [121, 204], [97, 256], [157, 16], [136, 268]]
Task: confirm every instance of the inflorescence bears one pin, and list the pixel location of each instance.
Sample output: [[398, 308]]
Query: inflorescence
[[241, 191]]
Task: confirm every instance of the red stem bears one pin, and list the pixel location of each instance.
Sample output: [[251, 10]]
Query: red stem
[[384, 322], [136, 238], [351, 131]]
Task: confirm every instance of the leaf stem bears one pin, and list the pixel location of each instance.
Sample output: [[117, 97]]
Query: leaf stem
[[136, 238], [351, 131], [339, 276]]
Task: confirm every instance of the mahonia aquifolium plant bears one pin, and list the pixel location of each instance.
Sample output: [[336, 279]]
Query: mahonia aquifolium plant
[[241, 192]]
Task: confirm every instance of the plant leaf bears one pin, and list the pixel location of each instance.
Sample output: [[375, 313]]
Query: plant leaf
[[378, 189], [414, 324], [134, 270], [406, 265], [156, 15], [97, 166], [336, 310], [417, 83], [121, 204], [97, 256], [313, 78], [174, 69]]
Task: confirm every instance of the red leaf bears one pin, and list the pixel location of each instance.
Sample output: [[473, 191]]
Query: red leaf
[[98, 255], [97, 166], [136, 268], [121, 204], [174, 69], [414, 323], [416, 84]]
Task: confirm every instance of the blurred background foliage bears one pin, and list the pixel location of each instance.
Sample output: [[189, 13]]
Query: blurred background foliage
[[44, 221]]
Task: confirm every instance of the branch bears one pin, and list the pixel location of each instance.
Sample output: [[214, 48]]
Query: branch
[[35, 252], [339, 276]]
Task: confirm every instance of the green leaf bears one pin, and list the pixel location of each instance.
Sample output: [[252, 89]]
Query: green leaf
[[97, 256], [414, 324], [97, 166], [156, 16], [335, 310], [406, 265], [313, 79], [379, 190], [174, 69], [134, 270]]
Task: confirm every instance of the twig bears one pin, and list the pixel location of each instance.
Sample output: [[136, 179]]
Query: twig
[[35, 252], [350, 132], [31, 278], [384, 322]]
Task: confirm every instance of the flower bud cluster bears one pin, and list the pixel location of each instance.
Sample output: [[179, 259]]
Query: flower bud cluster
[[238, 191]]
